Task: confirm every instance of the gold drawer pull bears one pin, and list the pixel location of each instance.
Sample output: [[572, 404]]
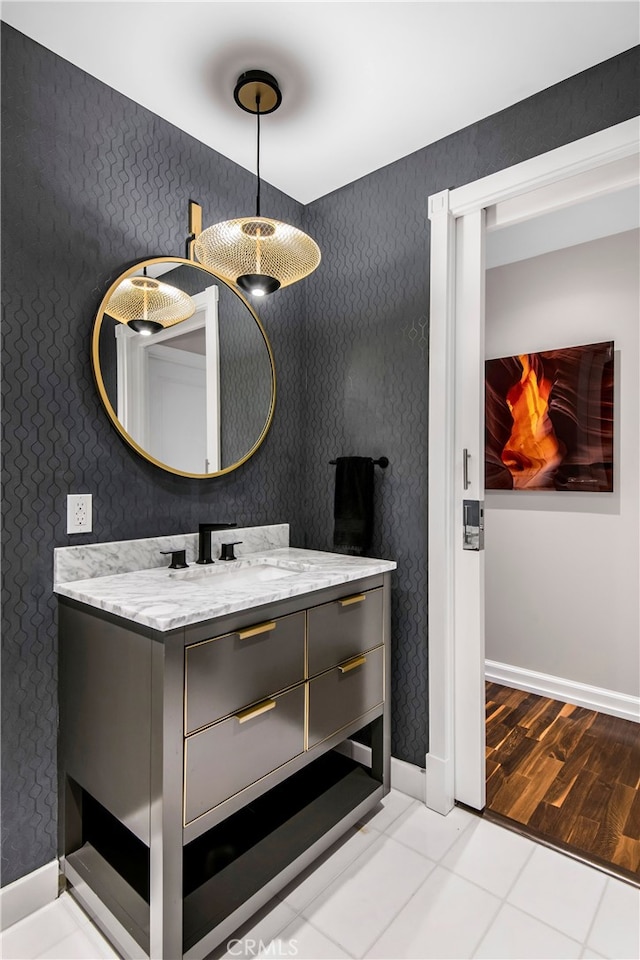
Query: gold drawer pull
[[352, 664], [259, 628], [356, 598], [256, 711]]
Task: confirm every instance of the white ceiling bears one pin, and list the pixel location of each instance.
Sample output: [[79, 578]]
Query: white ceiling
[[363, 83]]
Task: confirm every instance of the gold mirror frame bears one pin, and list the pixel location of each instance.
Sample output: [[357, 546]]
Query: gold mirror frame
[[97, 373]]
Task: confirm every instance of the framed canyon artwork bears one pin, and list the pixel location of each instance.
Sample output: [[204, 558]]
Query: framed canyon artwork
[[549, 420]]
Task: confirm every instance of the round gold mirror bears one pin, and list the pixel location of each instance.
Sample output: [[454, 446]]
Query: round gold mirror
[[183, 367]]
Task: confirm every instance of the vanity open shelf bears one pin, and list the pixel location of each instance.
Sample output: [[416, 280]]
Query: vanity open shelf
[[203, 768], [230, 863]]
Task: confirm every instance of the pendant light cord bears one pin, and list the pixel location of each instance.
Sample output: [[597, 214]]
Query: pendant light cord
[[258, 154]]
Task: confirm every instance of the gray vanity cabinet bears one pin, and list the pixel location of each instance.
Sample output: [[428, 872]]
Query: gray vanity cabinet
[[348, 690], [245, 747], [344, 627], [201, 769], [226, 673]]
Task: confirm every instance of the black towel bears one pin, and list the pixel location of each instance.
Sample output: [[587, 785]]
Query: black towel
[[353, 506]]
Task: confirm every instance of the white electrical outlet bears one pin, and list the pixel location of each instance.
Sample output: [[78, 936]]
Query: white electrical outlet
[[79, 513]]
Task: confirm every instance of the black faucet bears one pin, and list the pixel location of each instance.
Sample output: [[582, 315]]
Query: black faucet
[[204, 539]]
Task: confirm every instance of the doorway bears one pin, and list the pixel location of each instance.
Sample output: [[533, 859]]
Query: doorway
[[604, 162], [561, 562]]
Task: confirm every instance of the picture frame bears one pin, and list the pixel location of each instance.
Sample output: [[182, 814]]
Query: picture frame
[[549, 420]]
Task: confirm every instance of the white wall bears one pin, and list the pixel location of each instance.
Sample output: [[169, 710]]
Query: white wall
[[562, 569]]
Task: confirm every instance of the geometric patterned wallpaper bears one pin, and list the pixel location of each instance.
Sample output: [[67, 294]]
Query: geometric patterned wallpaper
[[91, 182], [366, 343]]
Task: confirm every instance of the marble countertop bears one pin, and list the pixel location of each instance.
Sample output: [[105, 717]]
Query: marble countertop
[[166, 599]]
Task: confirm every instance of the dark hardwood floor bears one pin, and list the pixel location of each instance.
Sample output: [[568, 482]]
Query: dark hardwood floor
[[568, 774]]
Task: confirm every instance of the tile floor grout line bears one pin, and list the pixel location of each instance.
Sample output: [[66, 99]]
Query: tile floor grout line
[[399, 816], [381, 833], [546, 923], [398, 912], [407, 846], [487, 928], [332, 879], [474, 883], [503, 901], [520, 871], [593, 918], [506, 902], [332, 939], [588, 866], [472, 819]]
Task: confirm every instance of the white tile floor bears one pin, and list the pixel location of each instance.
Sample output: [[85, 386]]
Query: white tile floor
[[407, 883]]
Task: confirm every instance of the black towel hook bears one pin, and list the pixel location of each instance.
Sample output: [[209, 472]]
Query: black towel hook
[[380, 462]]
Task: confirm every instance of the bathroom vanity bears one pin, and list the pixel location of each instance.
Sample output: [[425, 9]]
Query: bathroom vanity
[[205, 757]]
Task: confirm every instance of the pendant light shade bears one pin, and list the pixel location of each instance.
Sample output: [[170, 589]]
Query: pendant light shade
[[148, 306], [257, 253]]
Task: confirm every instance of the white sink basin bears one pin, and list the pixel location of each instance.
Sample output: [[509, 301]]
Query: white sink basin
[[220, 577]]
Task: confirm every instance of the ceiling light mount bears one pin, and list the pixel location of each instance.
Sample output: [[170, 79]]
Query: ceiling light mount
[[257, 92], [258, 254]]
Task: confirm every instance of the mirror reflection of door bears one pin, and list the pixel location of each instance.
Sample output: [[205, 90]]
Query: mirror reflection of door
[[169, 388]]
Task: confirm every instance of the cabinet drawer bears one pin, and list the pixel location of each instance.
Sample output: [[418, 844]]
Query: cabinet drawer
[[224, 674], [343, 628], [345, 693], [234, 753]]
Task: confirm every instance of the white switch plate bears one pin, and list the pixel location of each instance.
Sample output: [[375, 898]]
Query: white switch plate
[[79, 513]]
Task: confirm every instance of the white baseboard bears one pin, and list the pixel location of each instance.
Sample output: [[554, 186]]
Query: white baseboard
[[408, 778], [593, 698], [439, 784], [28, 894], [405, 777]]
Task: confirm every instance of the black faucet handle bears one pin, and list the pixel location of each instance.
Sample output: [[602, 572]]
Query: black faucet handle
[[226, 550], [178, 559]]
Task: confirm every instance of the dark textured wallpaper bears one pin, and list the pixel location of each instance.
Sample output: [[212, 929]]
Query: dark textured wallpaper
[[91, 182], [366, 345]]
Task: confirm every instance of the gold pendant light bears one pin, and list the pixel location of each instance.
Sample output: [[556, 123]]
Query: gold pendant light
[[148, 306], [258, 254]]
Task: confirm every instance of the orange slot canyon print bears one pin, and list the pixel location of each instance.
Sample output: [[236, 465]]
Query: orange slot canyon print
[[549, 420]]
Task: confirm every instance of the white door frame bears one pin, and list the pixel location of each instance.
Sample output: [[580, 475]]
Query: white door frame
[[516, 193], [132, 353]]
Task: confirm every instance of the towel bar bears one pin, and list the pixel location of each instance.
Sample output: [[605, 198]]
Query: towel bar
[[381, 462]]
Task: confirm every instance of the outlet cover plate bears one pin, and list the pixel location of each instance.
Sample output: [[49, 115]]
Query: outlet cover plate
[[79, 510]]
